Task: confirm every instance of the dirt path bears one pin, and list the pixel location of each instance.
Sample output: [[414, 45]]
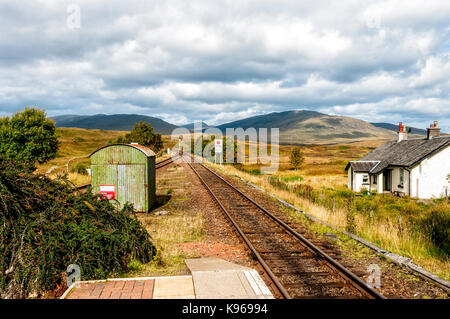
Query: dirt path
[[51, 169]]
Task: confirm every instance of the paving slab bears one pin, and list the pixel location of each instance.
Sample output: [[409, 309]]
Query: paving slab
[[178, 287], [215, 278], [211, 264]]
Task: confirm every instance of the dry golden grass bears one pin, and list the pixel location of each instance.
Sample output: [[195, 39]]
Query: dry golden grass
[[79, 179], [320, 159], [167, 232]]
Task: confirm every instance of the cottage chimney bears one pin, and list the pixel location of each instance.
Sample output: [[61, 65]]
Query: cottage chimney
[[433, 131], [402, 132]]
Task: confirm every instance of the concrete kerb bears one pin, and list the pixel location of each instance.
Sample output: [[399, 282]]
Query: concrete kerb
[[68, 290], [397, 259]]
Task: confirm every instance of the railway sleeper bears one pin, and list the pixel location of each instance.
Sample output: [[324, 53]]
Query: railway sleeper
[[283, 257], [253, 232], [302, 273], [277, 252], [333, 284]]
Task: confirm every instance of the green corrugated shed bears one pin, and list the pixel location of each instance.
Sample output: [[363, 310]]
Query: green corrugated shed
[[131, 168]]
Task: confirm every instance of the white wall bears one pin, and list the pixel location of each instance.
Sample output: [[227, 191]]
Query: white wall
[[396, 180], [380, 183], [431, 176], [376, 187], [358, 182], [349, 182]]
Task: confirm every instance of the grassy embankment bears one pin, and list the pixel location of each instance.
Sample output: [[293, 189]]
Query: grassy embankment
[[421, 234]]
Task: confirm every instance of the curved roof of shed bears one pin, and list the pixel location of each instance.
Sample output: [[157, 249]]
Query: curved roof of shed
[[144, 149]]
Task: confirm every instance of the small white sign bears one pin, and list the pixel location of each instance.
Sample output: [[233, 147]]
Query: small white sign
[[218, 146]]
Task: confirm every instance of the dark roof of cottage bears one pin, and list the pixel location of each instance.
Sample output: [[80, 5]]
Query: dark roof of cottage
[[144, 149], [362, 166], [405, 153]]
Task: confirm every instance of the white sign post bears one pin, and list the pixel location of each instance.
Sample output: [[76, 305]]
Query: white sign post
[[218, 147]]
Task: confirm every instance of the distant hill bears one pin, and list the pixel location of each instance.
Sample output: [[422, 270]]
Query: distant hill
[[116, 122], [394, 127], [307, 127], [296, 127], [190, 126]]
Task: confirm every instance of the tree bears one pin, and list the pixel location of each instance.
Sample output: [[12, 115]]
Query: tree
[[143, 134], [296, 157], [28, 137]]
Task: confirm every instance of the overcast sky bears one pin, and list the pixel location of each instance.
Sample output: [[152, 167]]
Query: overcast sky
[[218, 61]]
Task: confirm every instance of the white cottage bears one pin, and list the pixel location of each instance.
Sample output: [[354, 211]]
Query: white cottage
[[418, 167]]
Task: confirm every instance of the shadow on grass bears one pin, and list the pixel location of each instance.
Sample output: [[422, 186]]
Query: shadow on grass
[[161, 200]]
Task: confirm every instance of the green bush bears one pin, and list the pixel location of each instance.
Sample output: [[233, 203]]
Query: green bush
[[78, 139], [45, 227], [143, 134], [436, 224], [292, 179], [80, 168], [28, 137]]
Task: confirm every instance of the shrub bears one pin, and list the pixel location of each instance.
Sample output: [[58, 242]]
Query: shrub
[[292, 179], [80, 168], [436, 225], [78, 139], [296, 158], [29, 137], [45, 227], [143, 134]]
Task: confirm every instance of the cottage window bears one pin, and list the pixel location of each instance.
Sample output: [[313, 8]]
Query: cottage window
[[374, 179], [365, 179], [402, 177]]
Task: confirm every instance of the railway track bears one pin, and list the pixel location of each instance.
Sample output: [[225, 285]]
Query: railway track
[[165, 162], [294, 266]]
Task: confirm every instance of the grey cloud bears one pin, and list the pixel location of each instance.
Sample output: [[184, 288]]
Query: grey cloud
[[213, 61]]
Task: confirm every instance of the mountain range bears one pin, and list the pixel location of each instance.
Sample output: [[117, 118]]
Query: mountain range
[[115, 122], [394, 127], [305, 127], [297, 127]]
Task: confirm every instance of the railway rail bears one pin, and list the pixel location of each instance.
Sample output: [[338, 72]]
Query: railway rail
[[293, 264], [165, 162]]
